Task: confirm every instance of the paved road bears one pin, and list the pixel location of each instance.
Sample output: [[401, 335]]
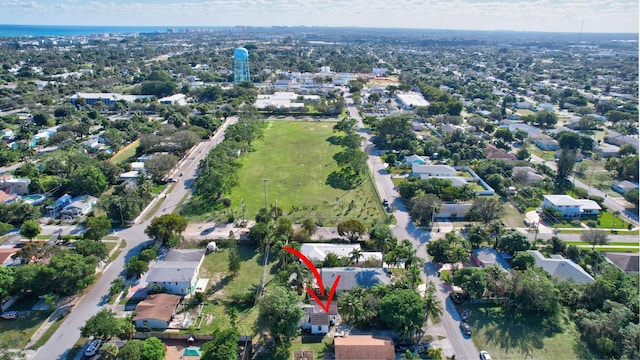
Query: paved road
[[66, 336], [457, 344]]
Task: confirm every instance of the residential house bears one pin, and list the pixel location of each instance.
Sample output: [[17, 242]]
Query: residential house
[[432, 170], [352, 277], [9, 198], [531, 175], [564, 269], [452, 211], [487, 256], [619, 139], [156, 311], [7, 134], [60, 203], [570, 207], [629, 263], [178, 272], [606, 150], [79, 206], [6, 256], [12, 185], [370, 347], [175, 99], [545, 142], [317, 252], [494, 152], [415, 159], [622, 187], [316, 320], [523, 105], [579, 155]]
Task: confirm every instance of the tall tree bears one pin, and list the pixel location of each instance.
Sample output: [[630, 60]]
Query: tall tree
[[594, 237], [223, 346], [403, 311], [512, 241], [566, 161], [279, 311], [352, 229], [97, 227], [486, 209], [103, 325], [163, 228], [234, 257], [30, 229], [424, 207]]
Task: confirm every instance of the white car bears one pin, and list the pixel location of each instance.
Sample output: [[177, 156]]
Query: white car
[[484, 355], [93, 348]]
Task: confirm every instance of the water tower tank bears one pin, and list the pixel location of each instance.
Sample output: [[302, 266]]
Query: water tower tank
[[241, 54]]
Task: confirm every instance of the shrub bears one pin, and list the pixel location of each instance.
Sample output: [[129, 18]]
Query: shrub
[[592, 223]]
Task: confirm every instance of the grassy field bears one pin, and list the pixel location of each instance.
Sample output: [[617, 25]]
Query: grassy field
[[507, 335], [15, 334], [610, 221], [223, 288], [296, 157], [126, 153]]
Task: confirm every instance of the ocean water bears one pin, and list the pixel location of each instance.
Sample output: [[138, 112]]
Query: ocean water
[[62, 30]]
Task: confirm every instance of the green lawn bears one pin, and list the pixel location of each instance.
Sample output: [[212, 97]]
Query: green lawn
[[296, 157], [316, 343], [126, 153], [609, 221], [15, 334], [223, 288], [507, 335]]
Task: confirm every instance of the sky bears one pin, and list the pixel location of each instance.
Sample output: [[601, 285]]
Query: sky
[[589, 16]]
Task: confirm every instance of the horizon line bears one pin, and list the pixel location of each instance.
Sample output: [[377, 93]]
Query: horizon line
[[324, 27]]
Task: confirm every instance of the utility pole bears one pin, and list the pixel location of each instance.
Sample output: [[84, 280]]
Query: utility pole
[[242, 206], [266, 206]]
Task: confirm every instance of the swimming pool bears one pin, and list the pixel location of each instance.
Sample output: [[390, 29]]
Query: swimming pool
[[34, 199]]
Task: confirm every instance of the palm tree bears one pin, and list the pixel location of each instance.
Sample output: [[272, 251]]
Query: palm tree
[[434, 353], [355, 255], [495, 229], [432, 306], [303, 275]]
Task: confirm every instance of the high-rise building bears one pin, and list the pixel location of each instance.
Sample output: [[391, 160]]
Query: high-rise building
[[241, 65]]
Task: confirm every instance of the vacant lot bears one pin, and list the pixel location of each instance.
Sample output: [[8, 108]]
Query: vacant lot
[[226, 292], [507, 335], [297, 158]]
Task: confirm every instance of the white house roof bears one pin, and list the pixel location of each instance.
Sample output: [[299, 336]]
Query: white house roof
[[588, 204], [412, 99], [317, 252], [561, 200], [171, 272], [563, 268], [433, 170]]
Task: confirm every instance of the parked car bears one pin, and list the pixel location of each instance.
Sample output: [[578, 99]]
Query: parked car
[[464, 316], [484, 355], [9, 315], [465, 328], [93, 348], [457, 299]]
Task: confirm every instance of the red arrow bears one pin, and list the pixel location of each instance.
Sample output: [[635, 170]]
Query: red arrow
[[318, 279]]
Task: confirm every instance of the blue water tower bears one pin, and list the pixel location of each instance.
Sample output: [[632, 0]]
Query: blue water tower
[[241, 65]]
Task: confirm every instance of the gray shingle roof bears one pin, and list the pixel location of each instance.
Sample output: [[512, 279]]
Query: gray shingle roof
[[352, 277], [563, 268], [184, 255]]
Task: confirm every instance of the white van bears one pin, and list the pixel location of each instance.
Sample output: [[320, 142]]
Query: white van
[[93, 348]]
